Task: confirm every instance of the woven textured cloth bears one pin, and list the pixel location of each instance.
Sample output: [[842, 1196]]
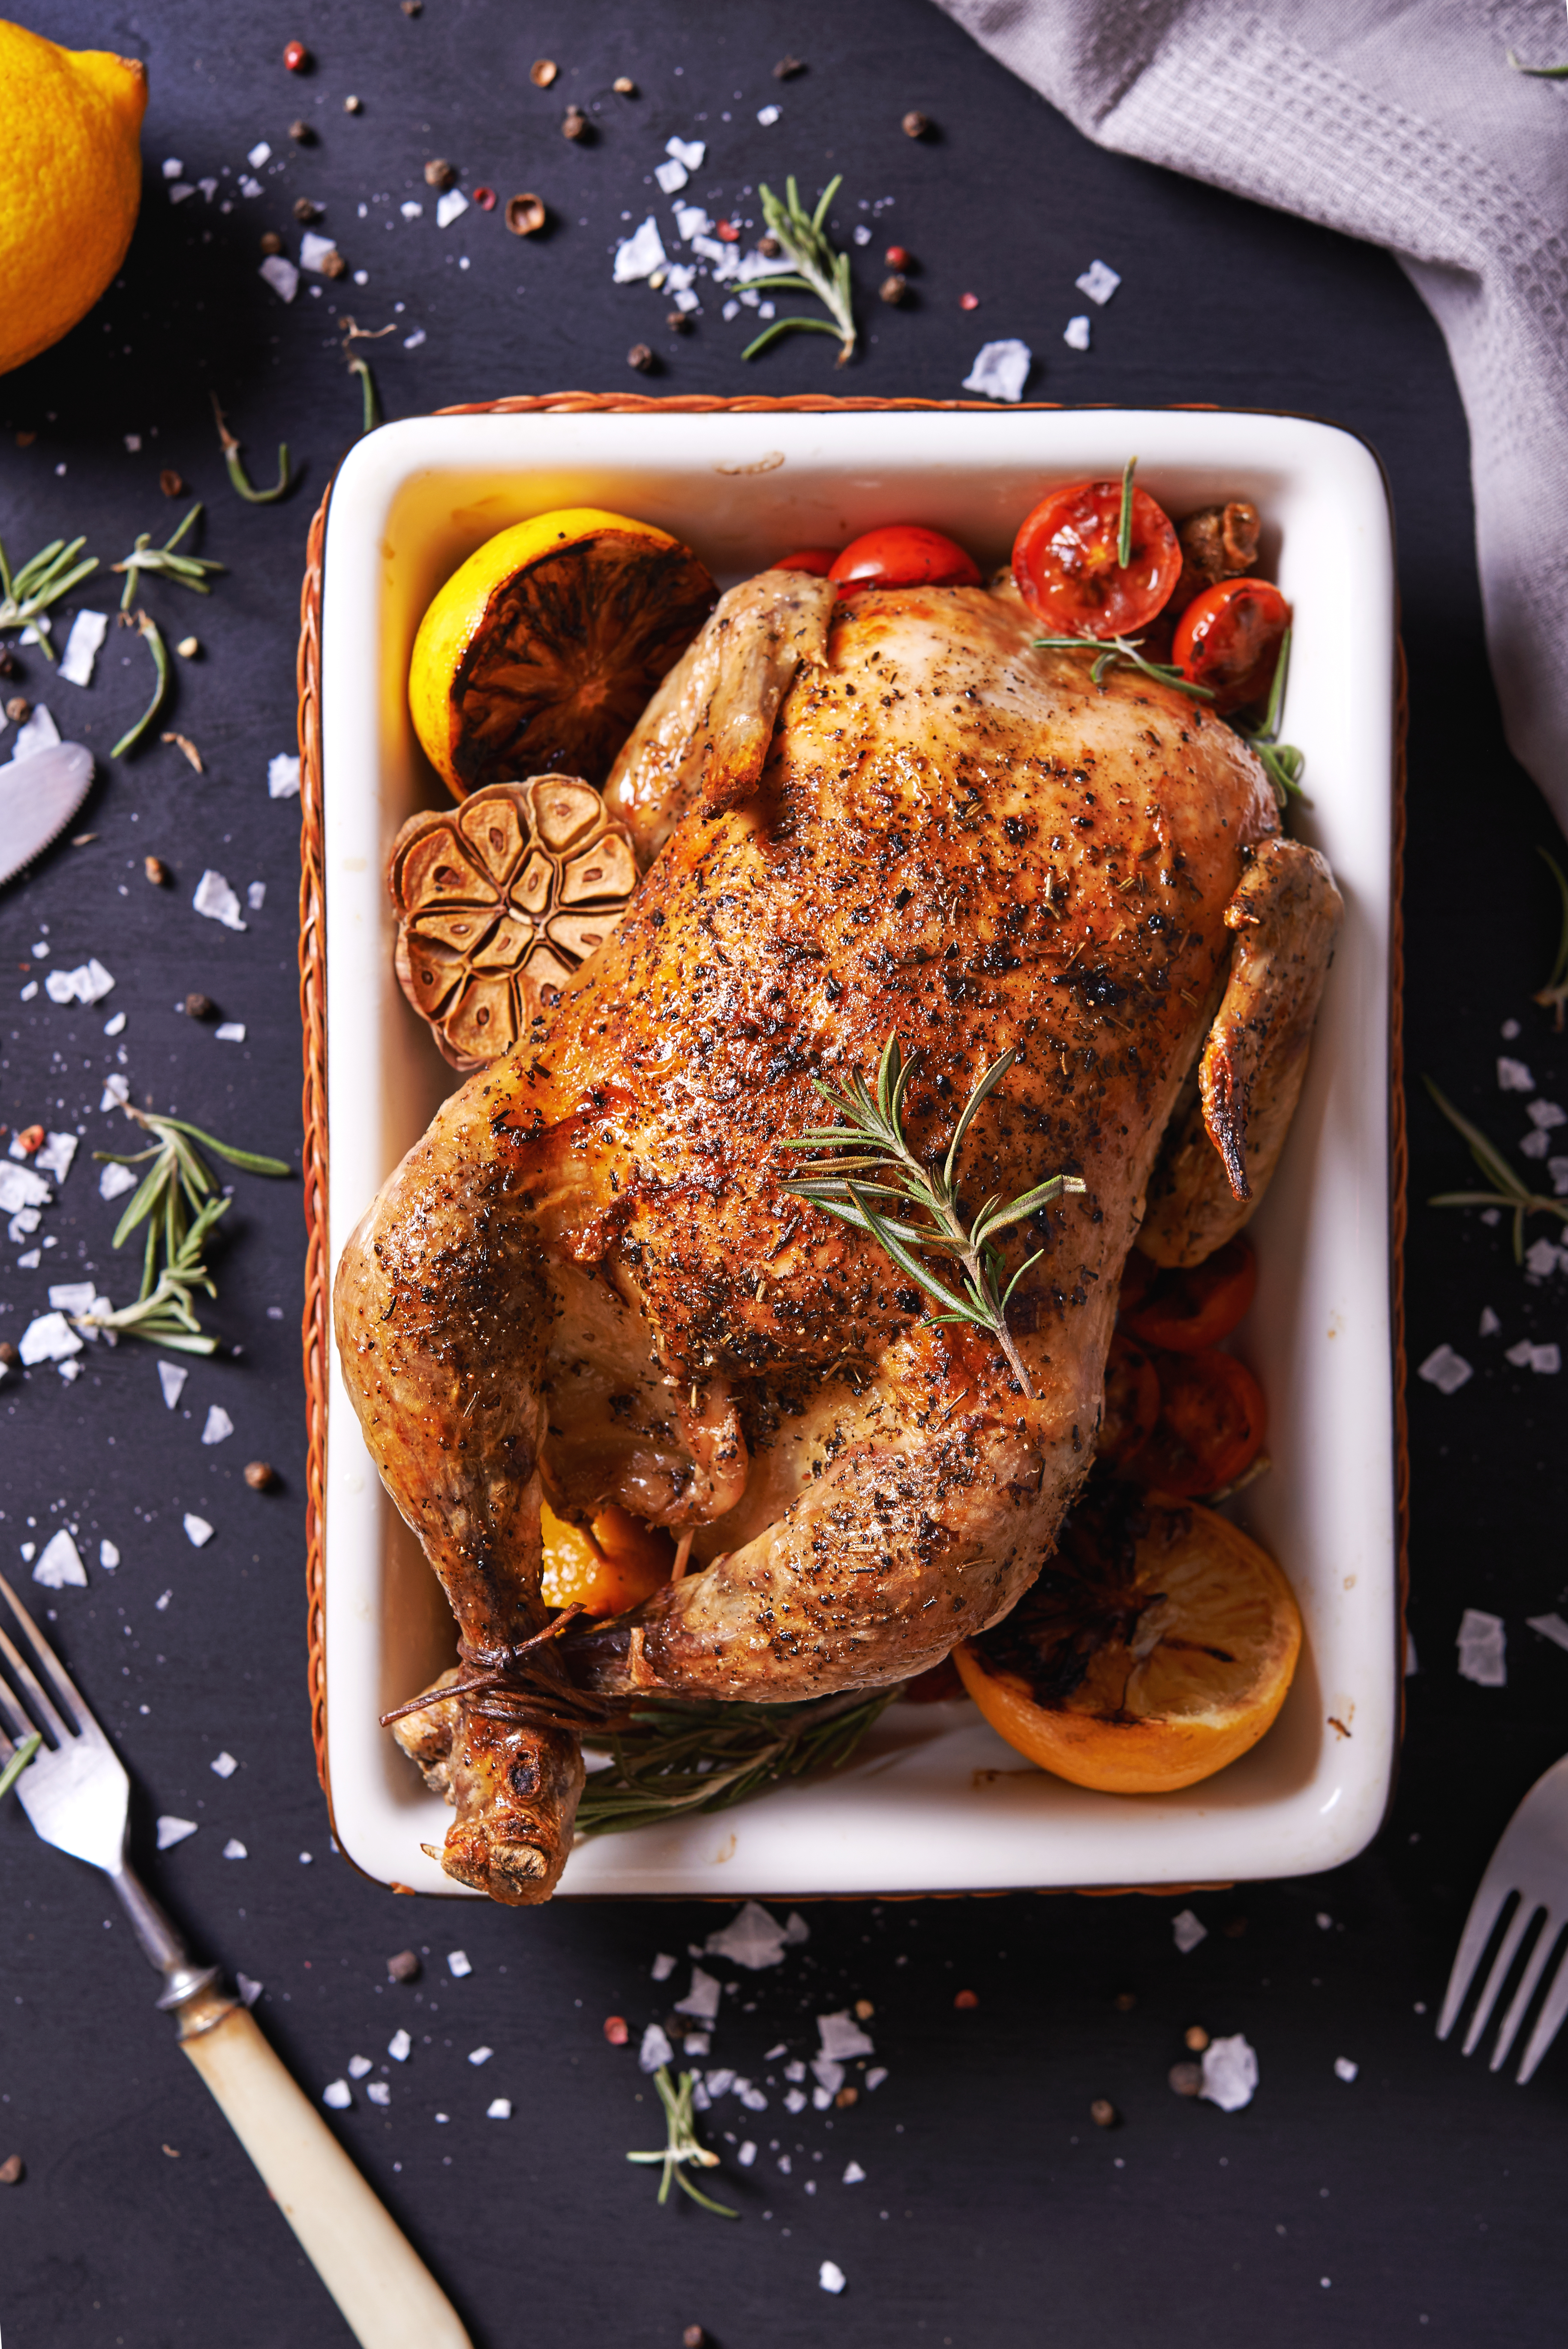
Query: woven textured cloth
[[1398, 121]]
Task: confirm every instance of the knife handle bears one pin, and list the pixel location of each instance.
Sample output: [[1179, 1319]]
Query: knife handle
[[388, 2298]]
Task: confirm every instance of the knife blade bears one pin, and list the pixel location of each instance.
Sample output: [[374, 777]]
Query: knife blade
[[39, 797]]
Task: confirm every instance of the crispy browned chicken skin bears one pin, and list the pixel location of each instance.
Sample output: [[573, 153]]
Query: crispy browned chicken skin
[[587, 1280]]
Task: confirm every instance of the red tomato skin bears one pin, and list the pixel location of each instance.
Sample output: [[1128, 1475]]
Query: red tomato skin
[[1211, 1425], [817, 560], [1063, 560], [903, 554], [1186, 1311], [1229, 637]]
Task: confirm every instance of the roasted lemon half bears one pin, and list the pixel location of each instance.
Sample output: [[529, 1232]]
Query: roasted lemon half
[[1156, 1647], [540, 653]]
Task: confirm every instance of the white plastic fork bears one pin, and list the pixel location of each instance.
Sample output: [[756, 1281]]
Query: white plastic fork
[[1532, 1860], [77, 1795]]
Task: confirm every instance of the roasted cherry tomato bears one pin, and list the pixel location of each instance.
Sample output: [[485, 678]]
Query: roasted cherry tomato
[[1136, 1275], [937, 1686], [1229, 637], [1212, 1424], [817, 560], [1064, 560], [1131, 1402], [903, 554], [1185, 1310]]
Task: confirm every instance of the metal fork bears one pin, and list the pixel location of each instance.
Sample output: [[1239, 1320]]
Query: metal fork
[[1531, 1860], [77, 1795]]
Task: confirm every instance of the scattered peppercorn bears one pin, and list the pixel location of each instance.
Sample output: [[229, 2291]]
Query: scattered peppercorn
[[727, 232], [694, 2337], [403, 1967], [864, 2010], [787, 68], [678, 323], [298, 57], [574, 123], [640, 357], [31, 1139], [969, 301], [302, 134], [542, 72], [270, 241], [966, 1998], [893, 288], [9, 1354], [200, 1006], [7, 666], [1186, 2078], [171, 483], [1125, 2000], [413, 7], [846, 2097], [353, 106], [770, 247], [259, 1475], [624, 85], [439, 173], [19, 709], [916, 125], [897, 256], [1196, 2038], [615, 2030], [155, 870], [12, 2170], [188, 647], [524, 214], [1103, 2113], [305, 210], [332, 264], [485, 199]]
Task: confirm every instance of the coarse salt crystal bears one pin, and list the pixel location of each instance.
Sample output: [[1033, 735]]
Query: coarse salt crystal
[[223, 1766], [39, 733], [671, 176], [1344, 2069], [115, 1090], [832, 2276], [412, 209], [1550, 1627], [1513, 1076], [1488, 1325], [89, 983], [450, 207], [1482, 1641], [162, 1601], [115, 1026], [60, 1149], [1536, 1145], [172, 167], [250, 1990], [72, 1296], [283, 777], [280, 275], [317, 252], [830, 2074], [359, 2066], [88, 630], [214, 898], [745, 2153], [481, 2055], [639, 254], [795, 2101], [854, 2175], [198, 1532], [1098, 281], [69, 1371], [338, 2094], [459, 1964], [1540, 1259], [23, 1224], [841, 2036], [60, 1568], [219, 1424], [255, 896], [768, 116], [692, 220], [50, 1339], [172, 1831], [1546, 1115], [720, 2082], [260, 153], [379, 2092], [172, 1377], [1188, 1931], [876, 2076], [108, 1556], [231, 1031], [753, 1939], [1445, 1370], [1528, 1357], [235, 1849], [654, 2050], [400, 2047], [412, 342], [1000, 369], [1076, 334], [702, 1999], [689, 151], [1230, 2073], [21, 1187], [663, 1967]]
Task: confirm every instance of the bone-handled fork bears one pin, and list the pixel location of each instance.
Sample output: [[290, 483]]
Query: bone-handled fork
[[1531, 1860], [77, 1795]]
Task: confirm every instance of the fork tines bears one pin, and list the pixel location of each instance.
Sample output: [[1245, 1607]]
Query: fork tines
[[33, 1697], [1526, 1885]]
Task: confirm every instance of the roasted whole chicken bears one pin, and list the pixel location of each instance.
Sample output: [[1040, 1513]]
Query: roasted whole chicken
[[589, 1282]]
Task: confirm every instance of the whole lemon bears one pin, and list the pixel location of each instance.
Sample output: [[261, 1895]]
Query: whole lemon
[[70, 182]]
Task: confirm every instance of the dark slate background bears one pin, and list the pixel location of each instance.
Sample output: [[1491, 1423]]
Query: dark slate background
[[1425, 2200]]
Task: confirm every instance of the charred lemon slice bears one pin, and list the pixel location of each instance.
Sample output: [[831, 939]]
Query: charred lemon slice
[[1156, 1647], [499, 903], [540, 653]]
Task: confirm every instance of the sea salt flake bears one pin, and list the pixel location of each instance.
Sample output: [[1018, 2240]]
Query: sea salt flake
[[316, 253], [379, 2092], [795, 2101], [28, 1263], [198, 1532], [719, 2082], [692, 220], [338, 2094], [50, 1339], [1000, 369], [172, 1831], [108, 1556], [223, 1766], [412, 342], [1546, 1114], [279, 274], [1098, 281], [260, 153], [88, 630], [39, 733], [1528, 1357], [412, 210], [730, 310], [359, 2066], [115, 1026], [458, 1964], [1488, 1325], [752, 2098], [830, 2074], [832, 2276], [1076, 334], [250, 1990], [69, 1371], [1481, 1641], [1230, 2073], [60, 1568], [89, 983], [23, 1224], [1445, 1370], [235, 1849], [499, 2109], [702, 1999], [172, 167], [219, 1424], [1550, 1627], [172, 1377], [1188, 1931], [231, 1031], [21, 1187], [72, 1296], [58, 1150], [215, 899], [854, 2175], [841, 2035], [450, 207], [283, 777], [876, 2076], [654, 2050], [1540, 1259], [671, 176], [180, 192], [400, 2047], [481, 2055], [256, 896], [689, 151], [752, 1938], [663, 1967], [1513, 1076], [115, 1090], [639, 254], [29, 991], [1536, 1145], [1344, 2069], [162, 1601]]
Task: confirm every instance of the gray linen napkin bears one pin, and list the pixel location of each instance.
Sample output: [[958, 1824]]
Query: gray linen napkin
[[1400, 121]]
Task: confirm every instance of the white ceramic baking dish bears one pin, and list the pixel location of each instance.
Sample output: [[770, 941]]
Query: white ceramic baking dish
[[935, 1802]]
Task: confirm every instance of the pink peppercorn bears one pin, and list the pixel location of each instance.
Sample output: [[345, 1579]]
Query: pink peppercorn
[[296, 56]]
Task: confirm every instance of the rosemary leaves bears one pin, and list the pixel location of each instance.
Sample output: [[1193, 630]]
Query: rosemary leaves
[[817, 269], [882, 1166], [672, 1758], [1109, 651], [1508, 1191], [41, 581], [188, 570], [683, 2149]]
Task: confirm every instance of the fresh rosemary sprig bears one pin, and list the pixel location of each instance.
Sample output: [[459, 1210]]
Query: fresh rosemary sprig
[[19, 1761], [674, 1758], [179, 1202], [1124, 524], [1554, 994], [147, 627], [50, 574], [1281, 762], [189, 570], [371, 414], [1111, 649], [237, 474], [819, 269], [874, 1137], [684, 2147], [1539, 73], [1509, 1190]]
